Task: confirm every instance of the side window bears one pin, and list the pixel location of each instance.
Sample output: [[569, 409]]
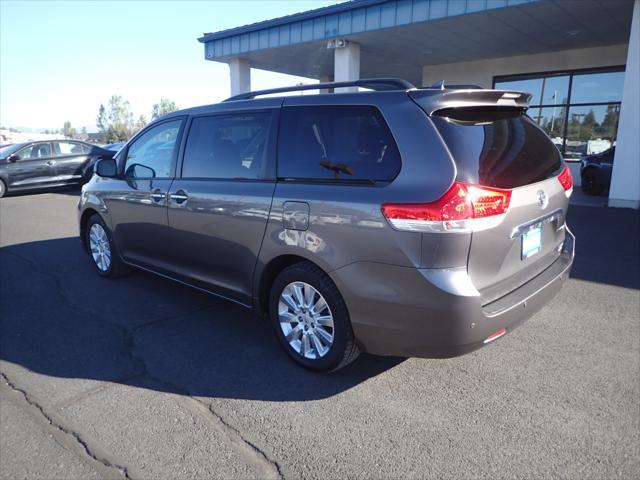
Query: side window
[[37, 150], [151, 154], [227, 146], [337, 143], [62, 149]]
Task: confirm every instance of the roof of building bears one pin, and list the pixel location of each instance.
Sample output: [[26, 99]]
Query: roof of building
[[422, 32]]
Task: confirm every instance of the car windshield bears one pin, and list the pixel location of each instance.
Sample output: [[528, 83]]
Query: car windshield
[[8, 150]]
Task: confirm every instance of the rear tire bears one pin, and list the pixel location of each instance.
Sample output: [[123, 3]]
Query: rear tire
[[311, 320], [591, 183], [102, 249]]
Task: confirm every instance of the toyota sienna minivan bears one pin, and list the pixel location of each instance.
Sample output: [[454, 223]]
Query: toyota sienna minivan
[[404, 221]]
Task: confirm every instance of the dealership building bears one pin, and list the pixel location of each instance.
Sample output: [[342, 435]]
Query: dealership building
[[579, 59]]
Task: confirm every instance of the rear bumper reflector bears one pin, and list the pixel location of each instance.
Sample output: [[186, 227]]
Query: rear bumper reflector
[[495, 336]]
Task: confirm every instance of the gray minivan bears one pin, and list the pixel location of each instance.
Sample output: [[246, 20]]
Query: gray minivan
[[397, 221]]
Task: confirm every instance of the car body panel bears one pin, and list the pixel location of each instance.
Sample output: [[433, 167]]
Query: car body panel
[[215, 235], [71, 167], [138, 221]]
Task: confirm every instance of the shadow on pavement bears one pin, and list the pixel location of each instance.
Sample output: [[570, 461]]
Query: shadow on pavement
[[59, 318], [607, 245]]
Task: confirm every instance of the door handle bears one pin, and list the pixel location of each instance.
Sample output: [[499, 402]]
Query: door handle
[[51, 162], [179, 197], [158, 196]]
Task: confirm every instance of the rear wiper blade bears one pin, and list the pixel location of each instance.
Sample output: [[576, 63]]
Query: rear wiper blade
[[336, 167]]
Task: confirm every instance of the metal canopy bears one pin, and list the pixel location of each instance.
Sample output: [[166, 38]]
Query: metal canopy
[[399, 37]]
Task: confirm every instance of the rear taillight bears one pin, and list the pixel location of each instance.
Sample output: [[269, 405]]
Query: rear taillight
[[566, 180], [464, 208]]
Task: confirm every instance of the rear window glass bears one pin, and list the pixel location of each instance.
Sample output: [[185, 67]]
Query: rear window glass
[[497, 147], [336, 143]]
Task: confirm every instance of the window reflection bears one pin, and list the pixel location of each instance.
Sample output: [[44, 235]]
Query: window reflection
[[591, 129], [551, 120], [555, 90], [582, 121], [597, 87]]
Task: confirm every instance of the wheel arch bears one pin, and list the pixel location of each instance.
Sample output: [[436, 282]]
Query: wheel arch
[[268, 274], [84, 219]]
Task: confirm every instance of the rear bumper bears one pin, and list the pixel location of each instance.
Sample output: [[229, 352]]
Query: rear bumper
[[438, 313]]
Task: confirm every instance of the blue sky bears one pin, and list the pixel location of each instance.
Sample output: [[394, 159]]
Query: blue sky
[[60, 59]]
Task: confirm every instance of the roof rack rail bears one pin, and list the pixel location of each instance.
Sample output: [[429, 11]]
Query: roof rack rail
[[377, 84]]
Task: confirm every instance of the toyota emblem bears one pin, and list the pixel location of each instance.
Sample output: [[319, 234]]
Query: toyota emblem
[[543, 201]]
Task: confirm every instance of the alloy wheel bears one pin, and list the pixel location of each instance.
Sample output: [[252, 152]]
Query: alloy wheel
[[99, 246], [306, 320]]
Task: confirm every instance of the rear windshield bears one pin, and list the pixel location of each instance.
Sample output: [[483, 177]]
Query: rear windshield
[[497, 147]]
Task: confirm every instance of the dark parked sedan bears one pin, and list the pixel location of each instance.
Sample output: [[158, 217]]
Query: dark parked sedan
[[47, 164], [595, 172]]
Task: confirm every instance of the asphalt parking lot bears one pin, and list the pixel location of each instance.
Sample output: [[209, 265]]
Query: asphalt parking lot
[[143, 378]]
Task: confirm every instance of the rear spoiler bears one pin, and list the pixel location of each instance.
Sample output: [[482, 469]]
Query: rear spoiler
[[432, 100]]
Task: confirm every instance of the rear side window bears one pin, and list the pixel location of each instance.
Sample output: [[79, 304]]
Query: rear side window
[[336, 143], [70, 148], [227, 146], [496, 147]]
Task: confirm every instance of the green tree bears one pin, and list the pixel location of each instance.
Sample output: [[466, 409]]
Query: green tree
[[68, 131], [165, 106], [140, 123], [609, 124], [115, 121]]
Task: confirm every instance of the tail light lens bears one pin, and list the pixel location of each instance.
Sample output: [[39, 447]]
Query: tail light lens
[[464, 208], [566, 180]]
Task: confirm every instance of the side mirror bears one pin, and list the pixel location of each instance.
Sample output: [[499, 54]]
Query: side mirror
[[106, 168], [13, 158], [137, 170]]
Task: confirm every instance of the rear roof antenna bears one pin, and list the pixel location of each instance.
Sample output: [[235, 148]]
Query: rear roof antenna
[[439, 85]]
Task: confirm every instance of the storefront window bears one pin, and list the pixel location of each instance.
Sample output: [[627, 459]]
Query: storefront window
[[578, 110], [591, 130], [597, 87]]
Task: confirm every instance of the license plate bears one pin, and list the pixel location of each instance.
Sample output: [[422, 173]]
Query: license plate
[[531, 241]]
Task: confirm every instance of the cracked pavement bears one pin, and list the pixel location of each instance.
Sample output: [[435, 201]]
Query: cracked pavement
[[144, 378]]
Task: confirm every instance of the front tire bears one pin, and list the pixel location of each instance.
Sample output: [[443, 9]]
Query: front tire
[[3, 189], [310, 319], [102, 249]]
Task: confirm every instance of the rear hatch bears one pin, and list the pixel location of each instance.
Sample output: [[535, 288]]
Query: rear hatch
[[495, 144]]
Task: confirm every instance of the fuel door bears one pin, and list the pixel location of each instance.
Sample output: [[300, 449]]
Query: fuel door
[[295, 216]]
